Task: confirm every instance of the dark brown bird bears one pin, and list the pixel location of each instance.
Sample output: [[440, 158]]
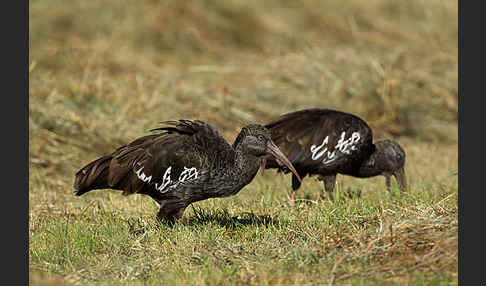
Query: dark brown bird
[[187, 162], [327, 142]]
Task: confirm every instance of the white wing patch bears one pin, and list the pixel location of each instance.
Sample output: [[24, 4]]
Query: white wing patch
[[188, 174], [141, 175], [345, 146], [167, 183]]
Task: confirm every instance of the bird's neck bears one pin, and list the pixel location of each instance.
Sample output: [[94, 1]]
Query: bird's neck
[[370, 167], [233, 174], [246, 163]]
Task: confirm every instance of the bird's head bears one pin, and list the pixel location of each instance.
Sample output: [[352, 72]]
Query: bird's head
[[391, 153], [389, 157], [256, 140]]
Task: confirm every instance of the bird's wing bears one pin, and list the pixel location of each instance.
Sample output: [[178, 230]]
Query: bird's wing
[[160, 161], [204, 135], [313, 138]]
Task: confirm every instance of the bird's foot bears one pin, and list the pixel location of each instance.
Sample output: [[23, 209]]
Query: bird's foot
[[292, 198], [330, 196], [170, 213]]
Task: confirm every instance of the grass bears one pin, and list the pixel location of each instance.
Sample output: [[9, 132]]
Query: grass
[[376, 239], [102, 74]]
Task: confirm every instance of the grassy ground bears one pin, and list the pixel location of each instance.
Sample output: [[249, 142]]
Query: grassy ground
[[103, 73]]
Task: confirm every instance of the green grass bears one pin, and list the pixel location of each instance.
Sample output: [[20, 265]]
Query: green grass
[[377, 238], [102, 74]]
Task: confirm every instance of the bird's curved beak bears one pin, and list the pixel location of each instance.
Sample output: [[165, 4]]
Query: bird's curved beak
[[281, 159], [401, 179]]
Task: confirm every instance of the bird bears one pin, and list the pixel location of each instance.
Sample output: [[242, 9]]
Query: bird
[[328, 142], [183, 162]]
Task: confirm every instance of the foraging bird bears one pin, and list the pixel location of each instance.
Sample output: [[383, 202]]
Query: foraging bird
[[187, 162], [329, 142]]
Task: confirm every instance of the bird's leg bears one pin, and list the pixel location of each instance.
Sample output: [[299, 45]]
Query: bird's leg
[[171, 211], [295, 186], [388, 182], [329, 182]]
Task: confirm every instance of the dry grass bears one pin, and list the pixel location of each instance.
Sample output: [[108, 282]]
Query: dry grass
[[104, 73]]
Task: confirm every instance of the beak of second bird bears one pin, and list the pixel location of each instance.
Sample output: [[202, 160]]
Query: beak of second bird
[[401, 179]]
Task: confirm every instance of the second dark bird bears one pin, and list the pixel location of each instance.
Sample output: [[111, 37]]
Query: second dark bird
[[188, 161], [328, 142]]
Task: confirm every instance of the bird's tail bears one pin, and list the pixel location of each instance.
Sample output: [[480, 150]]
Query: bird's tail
[[92, 176]]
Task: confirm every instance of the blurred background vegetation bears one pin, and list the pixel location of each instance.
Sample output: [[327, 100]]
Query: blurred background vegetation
[[133, 63]]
